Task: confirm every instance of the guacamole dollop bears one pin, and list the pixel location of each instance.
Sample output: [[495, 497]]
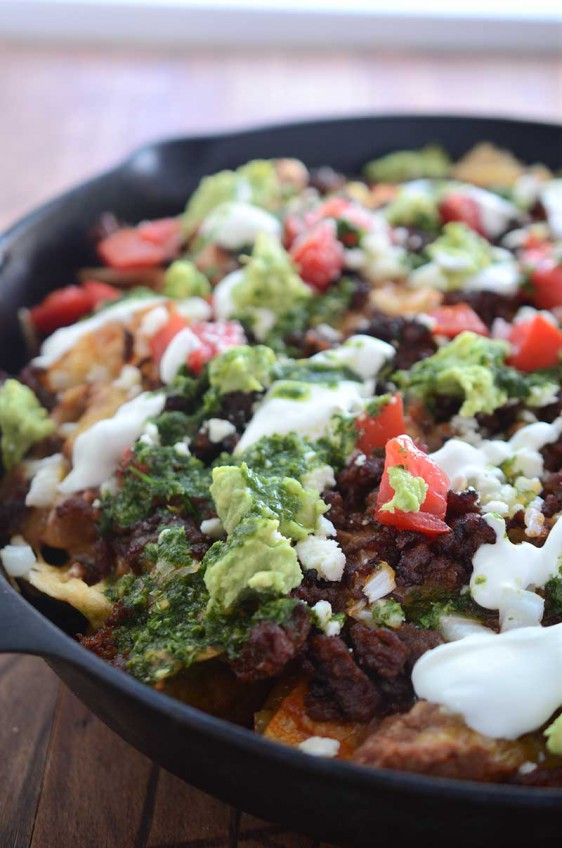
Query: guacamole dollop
[[409, 491], [256, 182], [469, 367], [23, 422], [257, 558], [182, 280], [403, 165], [243, 368]]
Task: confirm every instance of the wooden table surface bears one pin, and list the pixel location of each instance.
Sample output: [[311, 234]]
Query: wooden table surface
[[65, 779]]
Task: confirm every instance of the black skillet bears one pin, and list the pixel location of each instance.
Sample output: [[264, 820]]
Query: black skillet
[[335, 801]]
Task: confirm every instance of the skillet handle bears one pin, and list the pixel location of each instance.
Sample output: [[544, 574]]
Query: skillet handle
[[23, 630]]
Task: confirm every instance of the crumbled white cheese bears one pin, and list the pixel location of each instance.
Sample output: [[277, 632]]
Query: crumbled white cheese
[[43, 490], [219, 429], [323, 555], [324, 618], [551, 197], [320, 746], [213, 528], [18, 557], [182, 448], [324, 527], [319, 479]]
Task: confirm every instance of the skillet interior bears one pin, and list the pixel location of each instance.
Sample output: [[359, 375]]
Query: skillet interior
[[334, 801]]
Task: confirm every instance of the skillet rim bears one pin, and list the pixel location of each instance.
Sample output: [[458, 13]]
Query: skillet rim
[[71, 652]]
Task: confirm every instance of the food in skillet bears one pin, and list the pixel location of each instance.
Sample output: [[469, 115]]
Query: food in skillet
[[296, 457]]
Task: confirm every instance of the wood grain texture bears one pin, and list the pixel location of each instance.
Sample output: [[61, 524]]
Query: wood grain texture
[[67, 781], [28, 695]]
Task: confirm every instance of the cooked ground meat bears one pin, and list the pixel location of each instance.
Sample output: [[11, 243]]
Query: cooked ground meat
[[128, 545], [500, 421], [357, 482], [339, 690], [13, 491], [32, 377], [552, 494], [547, 777], [487, 304], [430, 740], [413, 341], [206, 450], [326, 180], [552, 455], [271, 646], [313, 589], [388, 657]]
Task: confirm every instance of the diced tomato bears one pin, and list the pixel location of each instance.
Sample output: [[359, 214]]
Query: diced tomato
[[452, 320], [422, 522], [162, 337], [375, 431], [401, 451], [293, 227], [59, 309], [166, 232], [459, 207], [65, 306], [319, 255], [546, 280], [535, 344], [100, 292], [215, 337], [149, 244]]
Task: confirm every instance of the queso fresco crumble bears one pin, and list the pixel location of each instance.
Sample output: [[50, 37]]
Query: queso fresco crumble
[[295, 456]]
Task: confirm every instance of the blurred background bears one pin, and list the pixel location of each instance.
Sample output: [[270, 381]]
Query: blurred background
[[83, 82]]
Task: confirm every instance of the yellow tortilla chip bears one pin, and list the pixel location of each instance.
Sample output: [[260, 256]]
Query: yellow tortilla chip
[[59, 584]]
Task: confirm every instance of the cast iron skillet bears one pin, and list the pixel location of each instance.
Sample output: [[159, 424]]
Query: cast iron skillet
[[335, 801]]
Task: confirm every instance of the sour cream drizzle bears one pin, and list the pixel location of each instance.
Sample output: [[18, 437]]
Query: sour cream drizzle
[[97, 451], [503, 684], [311, 415]]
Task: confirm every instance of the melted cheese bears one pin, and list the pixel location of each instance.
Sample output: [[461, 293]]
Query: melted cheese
[[503, 684], [61, 341], [97, 451]]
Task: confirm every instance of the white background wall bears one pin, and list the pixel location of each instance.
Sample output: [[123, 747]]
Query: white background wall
[[507, 25]]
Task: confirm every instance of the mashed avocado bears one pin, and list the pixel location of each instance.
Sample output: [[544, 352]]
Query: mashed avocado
[[460, 253], [23, 422], [469, 367], [239, 492], [403, 165], [242, 369], [257, 558], [182, 279], [256, 182], [416, 207], [553, 734], [409, 491], [269, 281]]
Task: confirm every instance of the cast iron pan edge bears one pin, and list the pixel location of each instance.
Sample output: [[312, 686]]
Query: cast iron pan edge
[[336, 801]]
